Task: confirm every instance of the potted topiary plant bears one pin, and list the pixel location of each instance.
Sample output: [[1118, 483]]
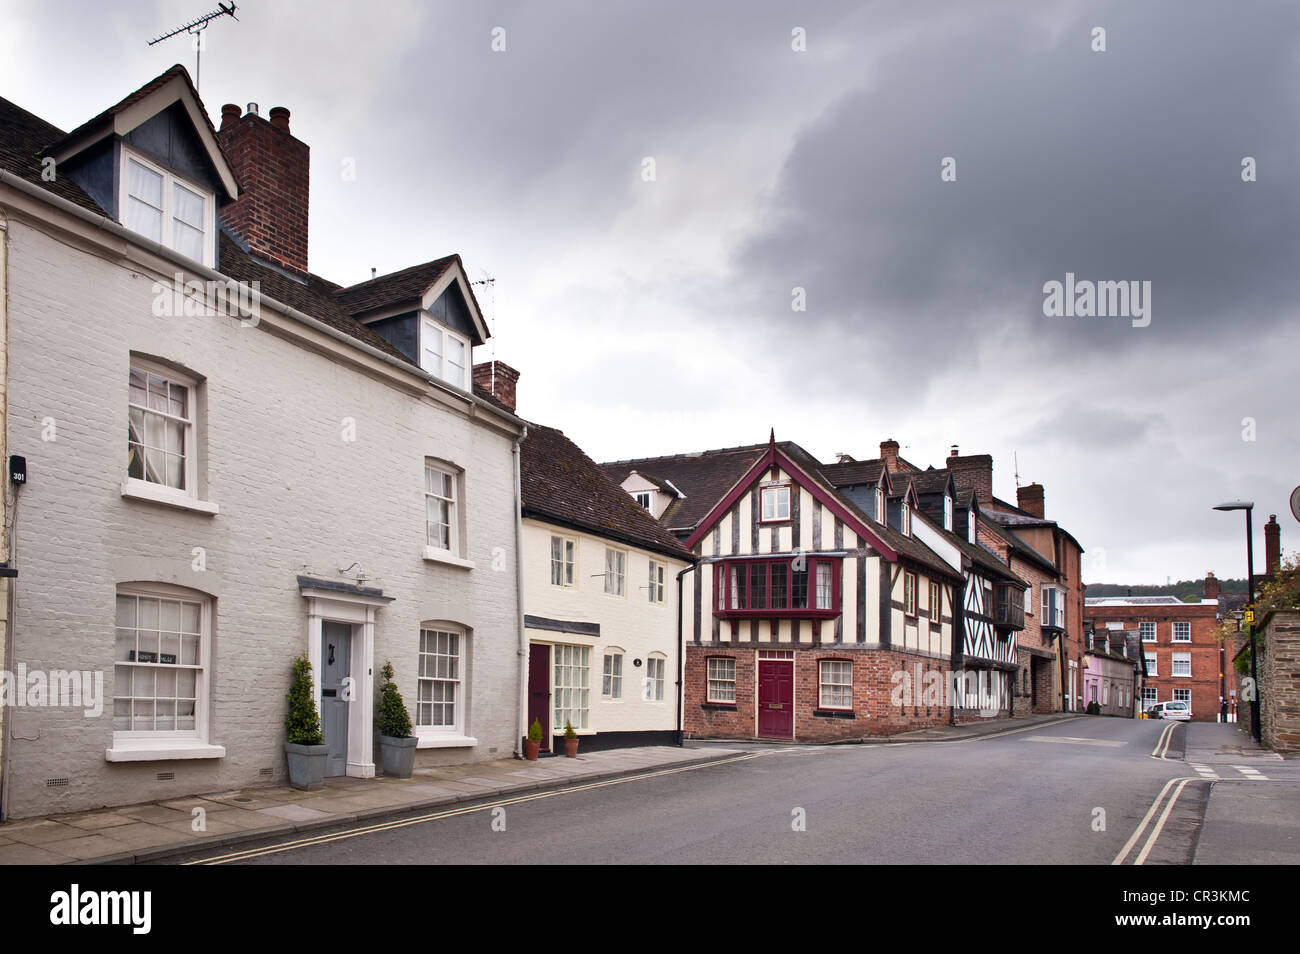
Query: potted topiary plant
[[570, 741], [533, 743], [396, 744], [304, 744]]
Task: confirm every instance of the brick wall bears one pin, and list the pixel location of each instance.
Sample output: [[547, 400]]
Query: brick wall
[[273, 169], [874, 711]]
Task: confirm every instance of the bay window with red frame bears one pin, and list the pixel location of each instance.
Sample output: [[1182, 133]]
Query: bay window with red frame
[[804, 587]]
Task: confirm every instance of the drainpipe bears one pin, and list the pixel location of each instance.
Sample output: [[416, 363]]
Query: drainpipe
[[521, 729], [681, 655]]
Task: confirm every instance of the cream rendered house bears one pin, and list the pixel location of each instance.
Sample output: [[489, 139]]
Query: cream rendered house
[[602, 591], [233, 461]]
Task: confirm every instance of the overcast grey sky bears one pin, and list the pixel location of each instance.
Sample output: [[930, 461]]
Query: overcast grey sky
[[652, 317]]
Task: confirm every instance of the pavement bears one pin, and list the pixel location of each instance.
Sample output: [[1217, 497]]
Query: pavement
[[1253, 813], [157, 830]]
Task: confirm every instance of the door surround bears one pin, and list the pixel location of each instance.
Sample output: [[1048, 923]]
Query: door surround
[[348, 604]]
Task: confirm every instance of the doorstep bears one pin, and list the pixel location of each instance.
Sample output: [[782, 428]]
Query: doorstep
[[155, 830]]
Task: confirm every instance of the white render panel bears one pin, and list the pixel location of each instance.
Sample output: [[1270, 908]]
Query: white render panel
[[630, 622], [294, 497]]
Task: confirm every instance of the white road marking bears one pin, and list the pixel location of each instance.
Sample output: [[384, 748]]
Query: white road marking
[[1075, 741]]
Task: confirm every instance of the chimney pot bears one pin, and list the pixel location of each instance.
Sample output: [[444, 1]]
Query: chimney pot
[[1212, 587], [229, 114], [280, 118], [252, 109], [889, 454], [1030, 499]]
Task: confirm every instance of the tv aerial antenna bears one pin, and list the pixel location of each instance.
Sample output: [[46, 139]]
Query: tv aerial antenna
[[195, 28]]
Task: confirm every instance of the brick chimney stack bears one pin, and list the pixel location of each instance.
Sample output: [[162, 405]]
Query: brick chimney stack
[[1212, 587], [1272, 545], [889, 454], [973, 472], [273, 172], [1029, 498], [498, 379]]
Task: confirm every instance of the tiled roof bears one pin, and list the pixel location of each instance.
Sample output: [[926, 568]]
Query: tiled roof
[[1020, 547], [396, 287], [853, 473], [930, 481], [704, 478], [314, 298], [23, 140], [561, 483]]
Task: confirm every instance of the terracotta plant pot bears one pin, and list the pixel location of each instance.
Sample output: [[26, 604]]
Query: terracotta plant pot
[[571, 748], [531, 748]]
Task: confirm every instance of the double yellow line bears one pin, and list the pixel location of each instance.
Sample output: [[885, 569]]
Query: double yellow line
[[1161, 750], [1177, 784], [450, 813]]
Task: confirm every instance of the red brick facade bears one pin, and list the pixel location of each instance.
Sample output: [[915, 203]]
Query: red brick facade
[[875, 690], [1204, 648]]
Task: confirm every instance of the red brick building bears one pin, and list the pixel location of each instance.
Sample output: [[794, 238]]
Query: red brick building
[[1183, 655]]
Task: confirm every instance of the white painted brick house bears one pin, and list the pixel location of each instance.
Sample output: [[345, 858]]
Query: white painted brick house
[[321, 476]]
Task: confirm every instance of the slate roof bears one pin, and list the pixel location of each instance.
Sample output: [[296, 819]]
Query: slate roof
[[1020, 547], [930, 481], [1135, 601], [703, 477], [560, 483]]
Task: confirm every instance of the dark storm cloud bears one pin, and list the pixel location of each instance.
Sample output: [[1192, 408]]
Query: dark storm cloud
[[1122, 165]]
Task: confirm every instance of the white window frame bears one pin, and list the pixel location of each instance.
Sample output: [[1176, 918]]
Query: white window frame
[[456, 730], [1150, 696], [1181, 658], [656, 584], [779, 494], [947, 513], [720, 680], [910, 598], [643, 499], [1182, 695], [430, 326], [1187, 630], [143, 489], [880, 504], [905, 521], [159, 744], [1152, 668], [170, 180], [656, 668], [432, 550], [1155, 632], [567, 561], [615, 572], [936, 604], [611, 676], [571, 697], [970, 526], [836, 685]]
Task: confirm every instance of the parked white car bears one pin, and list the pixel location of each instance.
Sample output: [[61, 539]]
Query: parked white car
[[1180, 711]]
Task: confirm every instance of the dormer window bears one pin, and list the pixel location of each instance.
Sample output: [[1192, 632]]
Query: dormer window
[[880, 504], [947, 513], [166, 209], [444, 354], [905, 520], [970, 526], [643, 500]]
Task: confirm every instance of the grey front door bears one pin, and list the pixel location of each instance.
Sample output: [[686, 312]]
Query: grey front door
[[335, 667]]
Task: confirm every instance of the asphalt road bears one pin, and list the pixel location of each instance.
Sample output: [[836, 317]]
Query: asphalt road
[[1081, 792]]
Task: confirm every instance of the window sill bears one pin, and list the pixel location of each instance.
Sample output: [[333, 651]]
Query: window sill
[[161, 750], [136, 489], [435, 555], [445, 741]]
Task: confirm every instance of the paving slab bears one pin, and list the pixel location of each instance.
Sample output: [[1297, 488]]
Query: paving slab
[[295, 813]]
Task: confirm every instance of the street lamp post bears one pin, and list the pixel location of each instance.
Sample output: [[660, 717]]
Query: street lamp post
[[1248, 506]]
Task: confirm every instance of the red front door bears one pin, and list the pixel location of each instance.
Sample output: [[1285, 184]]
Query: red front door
[[539, 690], [775, 699]]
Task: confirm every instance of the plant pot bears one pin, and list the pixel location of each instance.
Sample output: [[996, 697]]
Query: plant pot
[[397, 756], [531, 748], [571, 748], [306, 765]]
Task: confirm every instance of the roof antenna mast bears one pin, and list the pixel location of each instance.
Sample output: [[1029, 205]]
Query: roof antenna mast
[[1016, 460], [196, 28]]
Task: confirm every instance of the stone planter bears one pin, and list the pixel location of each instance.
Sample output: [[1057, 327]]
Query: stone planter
[[306, 765], [397, 756]]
